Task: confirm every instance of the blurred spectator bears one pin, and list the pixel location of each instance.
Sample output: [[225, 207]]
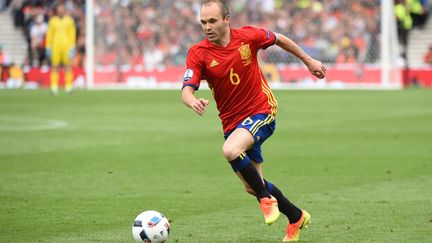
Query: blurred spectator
[[153, 57], [17, 13], [1, 63], [37, 33], [418, 11], [78, 60], [427, 58], [2, 56], [4, 62], [404, 23], [4, 5], [347, 56], [16, 77]]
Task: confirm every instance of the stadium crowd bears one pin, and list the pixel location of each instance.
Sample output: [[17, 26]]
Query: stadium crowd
[[158, 33]]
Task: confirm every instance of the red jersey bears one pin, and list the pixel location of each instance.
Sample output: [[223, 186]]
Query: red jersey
[[232, 73]]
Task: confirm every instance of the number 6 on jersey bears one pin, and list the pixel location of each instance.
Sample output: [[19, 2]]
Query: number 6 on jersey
[[234, 77]]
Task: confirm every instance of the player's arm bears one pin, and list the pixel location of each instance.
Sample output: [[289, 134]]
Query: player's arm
[[197, 105], [314, 66], [191, 82]]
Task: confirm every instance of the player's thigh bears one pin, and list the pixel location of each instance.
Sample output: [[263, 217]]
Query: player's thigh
[[64, 57], [237, 142], [55, 57]]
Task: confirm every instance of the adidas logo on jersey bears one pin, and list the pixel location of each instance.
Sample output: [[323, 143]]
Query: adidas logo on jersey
[[214, 63]]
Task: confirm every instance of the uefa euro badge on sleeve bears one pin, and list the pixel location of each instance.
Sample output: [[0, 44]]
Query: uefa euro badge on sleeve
[[188, 75]]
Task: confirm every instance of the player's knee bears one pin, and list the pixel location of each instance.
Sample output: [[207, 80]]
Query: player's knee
[[230, 153]]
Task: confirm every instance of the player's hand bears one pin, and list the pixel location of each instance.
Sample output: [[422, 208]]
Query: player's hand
[[71, 53], [199, 106], [316, 68], [48, 52]]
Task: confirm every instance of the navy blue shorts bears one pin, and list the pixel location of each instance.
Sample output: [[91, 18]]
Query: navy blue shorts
[[261, 126]]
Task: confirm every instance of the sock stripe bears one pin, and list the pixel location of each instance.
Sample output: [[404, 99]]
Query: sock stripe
[[240, 162], [269, 186]]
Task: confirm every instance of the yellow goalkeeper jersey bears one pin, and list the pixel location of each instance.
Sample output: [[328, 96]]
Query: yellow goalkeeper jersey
[[61, 33]]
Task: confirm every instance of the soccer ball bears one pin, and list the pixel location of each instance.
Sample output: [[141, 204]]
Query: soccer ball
[[150, 227]]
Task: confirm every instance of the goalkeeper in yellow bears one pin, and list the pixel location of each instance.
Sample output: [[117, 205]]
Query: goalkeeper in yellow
[[60, 47]]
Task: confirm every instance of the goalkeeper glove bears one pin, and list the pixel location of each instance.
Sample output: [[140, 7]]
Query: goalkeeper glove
[[48, 52], [71, 53]]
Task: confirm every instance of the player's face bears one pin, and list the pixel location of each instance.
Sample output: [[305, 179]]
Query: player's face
[[213, 24], [60, 10]]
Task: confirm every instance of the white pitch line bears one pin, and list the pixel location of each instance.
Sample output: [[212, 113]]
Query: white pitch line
[[23, 124]]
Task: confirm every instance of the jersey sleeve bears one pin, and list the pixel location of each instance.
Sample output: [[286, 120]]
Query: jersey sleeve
[[193, 74], [264, 38]]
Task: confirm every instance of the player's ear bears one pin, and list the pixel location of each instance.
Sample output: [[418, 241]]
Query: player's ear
[[227, 20]]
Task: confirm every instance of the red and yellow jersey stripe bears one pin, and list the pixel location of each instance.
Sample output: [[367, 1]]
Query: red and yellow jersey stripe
[[270, 97]]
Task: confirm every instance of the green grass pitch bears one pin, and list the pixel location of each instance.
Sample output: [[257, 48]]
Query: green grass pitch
[[79, 168]]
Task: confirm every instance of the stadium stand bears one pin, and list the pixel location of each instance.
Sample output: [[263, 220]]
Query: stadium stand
[[154, 35], [165, 31]]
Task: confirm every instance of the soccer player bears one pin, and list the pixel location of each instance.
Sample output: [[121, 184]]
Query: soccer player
[[60, 47], [227, 59]]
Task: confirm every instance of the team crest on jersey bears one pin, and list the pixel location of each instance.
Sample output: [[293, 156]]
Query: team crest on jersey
[[246, 54], [188, 75]]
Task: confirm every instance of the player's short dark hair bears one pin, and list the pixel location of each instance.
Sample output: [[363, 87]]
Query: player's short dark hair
[[222, 5]]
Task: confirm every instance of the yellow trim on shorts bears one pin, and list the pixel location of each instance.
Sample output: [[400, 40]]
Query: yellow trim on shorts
[[254, 129]]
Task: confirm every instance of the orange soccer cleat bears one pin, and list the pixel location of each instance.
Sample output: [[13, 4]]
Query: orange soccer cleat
[[293, 230], [269, 207]]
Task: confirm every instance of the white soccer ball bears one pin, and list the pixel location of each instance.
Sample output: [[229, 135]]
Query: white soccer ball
[[150, 227]]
